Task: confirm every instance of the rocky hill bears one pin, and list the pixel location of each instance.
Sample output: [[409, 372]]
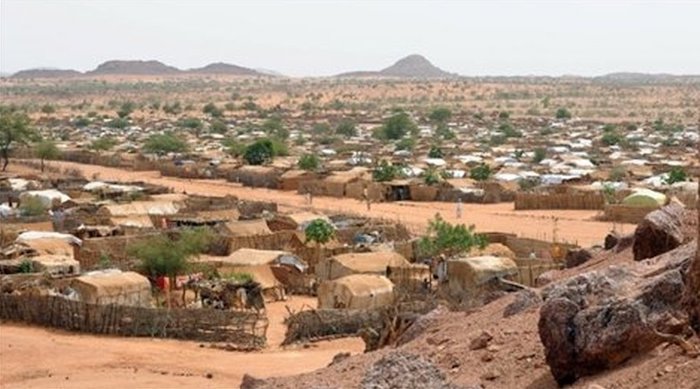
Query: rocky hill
[[225, 68], [133, 68], [413, 66], [47, 73]]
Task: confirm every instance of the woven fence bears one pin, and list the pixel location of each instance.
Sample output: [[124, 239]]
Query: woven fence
[[589, 201], [244, 330]]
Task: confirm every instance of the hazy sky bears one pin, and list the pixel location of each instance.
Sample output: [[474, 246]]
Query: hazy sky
[[317, 38]]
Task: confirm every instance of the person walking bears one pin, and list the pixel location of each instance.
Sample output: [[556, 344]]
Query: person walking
[[458, 209], [365, 195]]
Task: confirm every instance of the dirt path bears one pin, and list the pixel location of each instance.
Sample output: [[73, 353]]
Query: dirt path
[[33, 357], [571, 226]]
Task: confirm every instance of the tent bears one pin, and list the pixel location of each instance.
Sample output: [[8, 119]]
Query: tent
[[140, 208], [55, 264], [468, 274], [645, 198], [47, 197], [357, 291], [358, 263], [33, 235], [247, 227], [113, 287]]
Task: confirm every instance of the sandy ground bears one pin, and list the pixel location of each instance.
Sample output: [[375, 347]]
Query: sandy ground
[[571, 226], [33, 357]]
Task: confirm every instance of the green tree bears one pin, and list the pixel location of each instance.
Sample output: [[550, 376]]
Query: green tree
[[443, 238], [126, 109], [396, 127], [160, 256], [46, 149], [193, 124], [611, 138], [562, 113], [259, 152], [481, 172], [218, 127], [48, 109], [164, 143], [320, 232], [346, 128], [677, 174], [309, 162], [540, 155], [406, 144], [440, 115], [212, 110], [385, 172], [444, 132], [15, 129], [431, 177], [233, 147]]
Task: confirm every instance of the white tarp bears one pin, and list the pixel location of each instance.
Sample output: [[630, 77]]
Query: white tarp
[[46, 196], [99, 185], [33, 235]]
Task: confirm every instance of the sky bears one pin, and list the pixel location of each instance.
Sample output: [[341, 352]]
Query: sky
[[321, 38]]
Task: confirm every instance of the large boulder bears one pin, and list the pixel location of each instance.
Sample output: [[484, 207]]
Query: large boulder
[[400, 369], [659, 232], [577, 257], [599, 319]]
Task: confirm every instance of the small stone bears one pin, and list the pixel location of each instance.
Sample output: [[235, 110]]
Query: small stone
[[668, 368], [480, 341], [595, 386], [488, 357], [209, 376], [491, 375]]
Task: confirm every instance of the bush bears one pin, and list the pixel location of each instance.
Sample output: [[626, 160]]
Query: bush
[[435, 152], [321, 129], [440, 115], [480, 173], [32, 206], [233, 147], [406, 144], [164, 143], [508, 131], [26, 266], [212, 110], [444, 132], [218, 127], [617, 174], [562, 113], [396, 127], [443, 238], [540, 155], [103, 144], [346, 128], [677, 174], [528, 184], [119, 123], [319, 231], [431, 177], [259, 152], [385, 172], [309, 162], [611, 138]]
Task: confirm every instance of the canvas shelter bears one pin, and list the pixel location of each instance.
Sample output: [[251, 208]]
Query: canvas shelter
[[645, 198], [247, 228], [466, 275], [113, 286], [47, 197], [357, 291], [358, 263]]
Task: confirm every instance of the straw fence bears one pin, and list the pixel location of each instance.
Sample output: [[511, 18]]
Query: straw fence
[[591, 201]]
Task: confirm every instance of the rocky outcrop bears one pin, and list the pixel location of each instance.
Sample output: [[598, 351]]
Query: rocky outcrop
[[400, 369], [659, 232], [577, 257], [524, 300], [599, 319]]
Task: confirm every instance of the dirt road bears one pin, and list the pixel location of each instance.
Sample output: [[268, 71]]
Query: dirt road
[[33, 357], [571, 226]]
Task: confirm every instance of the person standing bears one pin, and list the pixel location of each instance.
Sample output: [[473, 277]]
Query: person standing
[[458, 209], [365, 194]]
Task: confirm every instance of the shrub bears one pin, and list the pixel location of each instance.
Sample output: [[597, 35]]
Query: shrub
[[309, 162], [346, 128], [611, 138], [218, 127], [396, 127], [431, 177], [440, 115], [435, 152], [259, 152], [677, 174], [385, 172], [26, 266], [617, 174], [32, 206], [164, 143], [319, 231], [103, 144], [480, 173], [443, 238], [406, 144], [562, 113]]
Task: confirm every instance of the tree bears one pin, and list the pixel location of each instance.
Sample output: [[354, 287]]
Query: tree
[[396, 127], [431, 177], [480, 173], [164, 143], [611, 138], [385, 172], [48, 109], [233, 147], [677, 174], [192, 124], [320, 232], [540, 155], [563, 113], [259, 152], [346, 128], [212, 110], [440, 115], [126, 109], [46, 149], [162, 257], [406, 144], [321, 129], [443, 238], [435, 152], [309, 162], [14, 129], [218, 127]]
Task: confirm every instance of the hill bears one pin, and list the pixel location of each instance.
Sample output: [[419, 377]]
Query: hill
[[133, 68], [413, 66], [225, 68], [47, 73]]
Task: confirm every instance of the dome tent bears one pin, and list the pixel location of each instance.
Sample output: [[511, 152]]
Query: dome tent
[[645, 198]]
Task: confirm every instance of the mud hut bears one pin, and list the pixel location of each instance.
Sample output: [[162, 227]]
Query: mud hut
[[357, 291], [293, 179]]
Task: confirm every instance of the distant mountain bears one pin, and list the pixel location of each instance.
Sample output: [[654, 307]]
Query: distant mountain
[[413, 66], [47, 73], [134, 68], [225, 68]]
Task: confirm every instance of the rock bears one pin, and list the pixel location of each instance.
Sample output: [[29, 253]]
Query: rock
[[611, 240], [599, 319], [400, 369], [491, 375], [481, 341], [250, 382], [577, 257], [659, 232], [545, 278], [595, 386], [524, 299], [422, 323], [624, 243], [337, 358], [209, 376]]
